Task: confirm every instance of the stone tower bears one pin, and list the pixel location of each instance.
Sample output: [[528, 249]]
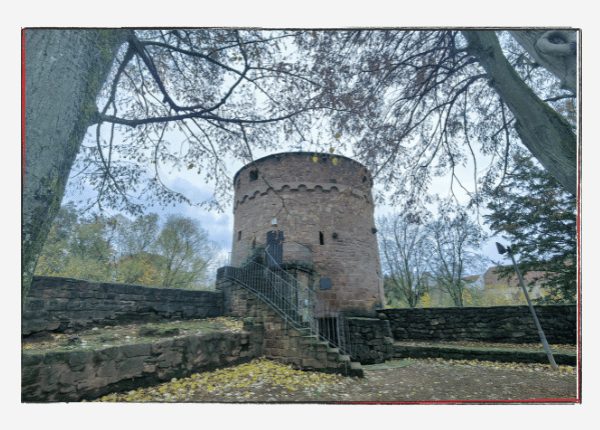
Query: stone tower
[[325, 206]]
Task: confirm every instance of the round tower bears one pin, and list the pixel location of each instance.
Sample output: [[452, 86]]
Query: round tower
[[317, 202]]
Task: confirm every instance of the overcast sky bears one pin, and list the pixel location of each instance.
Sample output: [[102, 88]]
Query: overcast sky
[[220, 225]]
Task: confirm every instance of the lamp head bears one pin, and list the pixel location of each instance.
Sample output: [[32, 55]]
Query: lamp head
[[501, 249]]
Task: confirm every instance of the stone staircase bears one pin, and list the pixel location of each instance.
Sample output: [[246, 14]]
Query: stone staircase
[[295, 344], [340, 363]]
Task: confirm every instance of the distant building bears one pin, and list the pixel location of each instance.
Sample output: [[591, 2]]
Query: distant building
[[492, 280]]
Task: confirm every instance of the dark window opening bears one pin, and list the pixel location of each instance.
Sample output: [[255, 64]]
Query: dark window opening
[[333, 181], [253, 175], [239, 235], [321, 238], [364, 179]]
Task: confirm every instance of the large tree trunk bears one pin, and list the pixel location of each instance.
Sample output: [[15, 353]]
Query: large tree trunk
[[548, 136], [64, 72], [555, 51]]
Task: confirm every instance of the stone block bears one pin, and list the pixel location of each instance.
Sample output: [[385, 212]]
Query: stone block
[[53, 357], [29, 360], [311, 363], [30, 375], [77, 358], [130, 367], [169, 359], [136, 350], [106, 354], [76, 305]]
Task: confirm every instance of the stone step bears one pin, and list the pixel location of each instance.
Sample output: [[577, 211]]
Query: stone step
[[356, 370]]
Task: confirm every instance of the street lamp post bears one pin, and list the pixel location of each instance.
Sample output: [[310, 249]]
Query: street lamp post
[[503, 250]]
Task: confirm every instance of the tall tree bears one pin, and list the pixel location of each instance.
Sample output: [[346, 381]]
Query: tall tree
[[201, 83], [539, 219], [186, 252], [418, 104], [406, 248], [455, 244], [413, 104], [64, 72]]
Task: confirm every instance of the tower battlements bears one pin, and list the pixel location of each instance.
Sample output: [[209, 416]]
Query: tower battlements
[[327, 206]]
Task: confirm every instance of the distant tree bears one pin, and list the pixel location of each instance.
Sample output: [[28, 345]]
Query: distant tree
[[53, 256], [539, 219], [178, 254], [79, 246], [404, 243], [143, 268], [186, 253], [144, 84], [455, 244], [135, 241]]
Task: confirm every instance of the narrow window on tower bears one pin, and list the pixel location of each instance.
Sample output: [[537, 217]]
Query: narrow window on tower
[[321, 238], [253, 175], [239, 235]]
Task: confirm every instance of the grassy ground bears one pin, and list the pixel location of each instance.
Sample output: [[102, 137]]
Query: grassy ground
[[100, 337]]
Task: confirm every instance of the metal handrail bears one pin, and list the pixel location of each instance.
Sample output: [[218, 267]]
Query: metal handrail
[[292, 251], [336, 326], [295, 302], [275, 291]]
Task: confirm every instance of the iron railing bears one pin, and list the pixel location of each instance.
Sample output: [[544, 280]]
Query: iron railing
[[295, 302], [282, 292], [291, 252]]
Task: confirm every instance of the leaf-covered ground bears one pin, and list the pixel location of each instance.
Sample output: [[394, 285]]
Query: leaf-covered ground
[[401, 381]]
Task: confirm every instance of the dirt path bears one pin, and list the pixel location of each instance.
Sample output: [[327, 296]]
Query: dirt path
[[400, 381]]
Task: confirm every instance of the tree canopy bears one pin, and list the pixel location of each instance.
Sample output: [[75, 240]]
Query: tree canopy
[[406, 251], [421, 104], [408, 104]]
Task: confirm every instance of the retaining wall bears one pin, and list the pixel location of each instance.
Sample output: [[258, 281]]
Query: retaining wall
[[502, 324], [369, 339], [66, 304], [57, 376]]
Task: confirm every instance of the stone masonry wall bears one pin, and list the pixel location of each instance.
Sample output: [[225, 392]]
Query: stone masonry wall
[[502, 324], [369, 339], [57, 376], [328, 208], [62, 304]]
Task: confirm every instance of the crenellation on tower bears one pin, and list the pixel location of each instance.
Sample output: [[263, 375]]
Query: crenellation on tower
[[324, 206]]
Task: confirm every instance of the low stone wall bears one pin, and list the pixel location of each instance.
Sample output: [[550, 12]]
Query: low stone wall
[[502, 324], [63, 304], [80, 374], [369, 338]]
